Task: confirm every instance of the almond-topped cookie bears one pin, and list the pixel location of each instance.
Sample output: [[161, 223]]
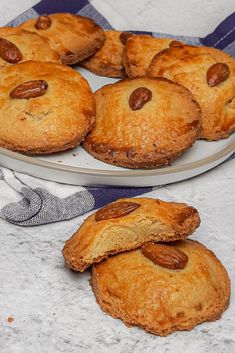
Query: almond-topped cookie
[[45, 107], [163, 287], [127, 224], [139, 52], [143, 123], [108, 61], [209, 74], [18, 45], [74, 37]]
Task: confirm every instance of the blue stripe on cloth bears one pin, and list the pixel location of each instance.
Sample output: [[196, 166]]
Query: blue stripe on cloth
[[223, 35], [103, 196], [51, 6], [143, 32]]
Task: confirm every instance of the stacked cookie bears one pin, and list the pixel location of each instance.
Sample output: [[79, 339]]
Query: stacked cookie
[[170, 95], [155, 279]]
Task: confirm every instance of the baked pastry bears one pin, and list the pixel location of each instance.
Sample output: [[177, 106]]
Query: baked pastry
[[139, 52], [210, 76], [45, 107], [18, 45], [163, 288], [127, 224], [74, 37], [143, 123], [108, 61]]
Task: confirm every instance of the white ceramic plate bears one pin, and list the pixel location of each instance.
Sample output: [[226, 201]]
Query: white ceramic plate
[[79, 168]]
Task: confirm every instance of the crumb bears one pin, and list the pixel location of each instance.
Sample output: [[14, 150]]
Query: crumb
[[10, 319], [75, 154]]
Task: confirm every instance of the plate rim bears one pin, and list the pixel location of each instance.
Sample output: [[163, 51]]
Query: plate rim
[[229, 149]]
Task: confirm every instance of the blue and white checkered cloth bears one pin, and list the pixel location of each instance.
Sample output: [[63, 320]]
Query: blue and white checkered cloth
[[34, 203]]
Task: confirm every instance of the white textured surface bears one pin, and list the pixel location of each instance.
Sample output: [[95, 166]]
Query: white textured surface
[[53, 308]]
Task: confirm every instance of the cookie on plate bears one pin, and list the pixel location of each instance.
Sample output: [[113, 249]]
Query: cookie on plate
[[18, 45], [74, 37], [108, 61], [139, 52], [45, 107], [163, 288], [143, 123], [127, 224], [210, 76]]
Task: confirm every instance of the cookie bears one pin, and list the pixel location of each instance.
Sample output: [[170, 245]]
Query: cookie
[[139, 52], [143, 123], [74, 37], [18, 45], [108, 61], [45, 107], [210, 76], [127, 224], [163, 288]]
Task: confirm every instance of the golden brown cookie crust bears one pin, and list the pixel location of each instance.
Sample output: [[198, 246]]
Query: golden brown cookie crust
[[31, 45], [74, 37], [53, 122], [131, 287], [139, 52], [153, 220], [152, 136], [188, 65], [108, 61]]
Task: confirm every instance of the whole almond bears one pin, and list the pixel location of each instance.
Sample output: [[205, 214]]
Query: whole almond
[[115, 210], [124, 36], [9, 51], [217, 73], [29, 89], [165, 255], [139, 97], [43, 22], [176, 44]]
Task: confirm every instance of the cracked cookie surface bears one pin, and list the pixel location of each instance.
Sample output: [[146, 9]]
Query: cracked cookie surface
[[143, 123], [130, 286]]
